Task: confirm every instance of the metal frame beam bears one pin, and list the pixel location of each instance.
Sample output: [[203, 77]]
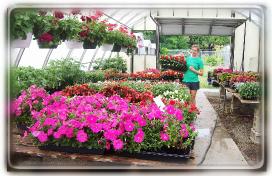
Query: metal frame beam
[[19, 57], [69, 53], [91, 62], [82, 55], [47, 58], [243, 56]]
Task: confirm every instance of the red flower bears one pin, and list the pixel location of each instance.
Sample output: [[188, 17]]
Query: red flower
[[46, 37], [58, 14], [172, 102], [83, 18]]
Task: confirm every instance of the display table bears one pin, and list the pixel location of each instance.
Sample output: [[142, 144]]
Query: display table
[[236, 100]]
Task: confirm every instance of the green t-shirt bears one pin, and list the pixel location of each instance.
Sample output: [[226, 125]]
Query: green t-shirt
[[197, 63]]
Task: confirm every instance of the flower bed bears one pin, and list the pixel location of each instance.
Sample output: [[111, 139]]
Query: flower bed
[[100, 122]]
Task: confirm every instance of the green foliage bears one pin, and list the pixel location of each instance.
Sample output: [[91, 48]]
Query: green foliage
[[117, 63], [159, 89], [94, 76], [70, 28], [209, 42], [213, 60], [174, 42], [96, 32], [164, 51], [46, 23], [96, 87], [21, 22], [138, 86], [23, 77], [185, 42], [62, 73], [250, 91]]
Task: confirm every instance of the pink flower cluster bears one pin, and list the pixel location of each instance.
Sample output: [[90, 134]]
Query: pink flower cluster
[[111, 119]]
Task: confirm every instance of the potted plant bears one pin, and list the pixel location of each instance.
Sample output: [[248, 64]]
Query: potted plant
[[108, 41], [119, 39], [70, 29], [21, 25], [47, 31], [92, 33]]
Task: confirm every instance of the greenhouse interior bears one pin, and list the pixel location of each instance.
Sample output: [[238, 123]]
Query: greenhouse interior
[[130, 88]]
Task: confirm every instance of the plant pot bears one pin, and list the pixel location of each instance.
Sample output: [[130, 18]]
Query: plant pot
[[89, 45], [107, 47], [123, 49], [46, 45], [69, 149], [116, 48], [19, 43], [73, 44]]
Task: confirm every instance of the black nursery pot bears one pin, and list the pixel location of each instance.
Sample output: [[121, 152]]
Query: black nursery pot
[[89, 45], [69, 149], [116, 48]]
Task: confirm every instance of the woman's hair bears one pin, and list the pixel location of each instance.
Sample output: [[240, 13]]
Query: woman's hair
[[195, 46]]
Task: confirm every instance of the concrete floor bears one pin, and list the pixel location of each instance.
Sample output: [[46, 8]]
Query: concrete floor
[[223, 152]]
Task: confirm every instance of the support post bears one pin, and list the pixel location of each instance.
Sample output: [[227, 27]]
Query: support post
[[256, 130], [243, 56], [232, 46]]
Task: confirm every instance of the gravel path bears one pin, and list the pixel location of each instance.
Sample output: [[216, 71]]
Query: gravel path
[[238, 125]]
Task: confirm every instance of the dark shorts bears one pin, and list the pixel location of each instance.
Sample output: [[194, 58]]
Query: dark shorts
[[192, 85]]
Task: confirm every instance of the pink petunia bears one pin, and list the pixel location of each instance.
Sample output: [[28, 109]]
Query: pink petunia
[[111, 135], [42, 136], [170, 109], [129, 126], [81, 136], [57, 135], [69, 133], [139, 136], [96, 128], [179, 115], [184, 133], [164, 136], [118, 144]]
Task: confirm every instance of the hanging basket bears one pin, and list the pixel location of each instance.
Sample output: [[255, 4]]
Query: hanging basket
[[73, 44], [107, 47], [46, 45], [89, 45], [116, 48], [19, 43]]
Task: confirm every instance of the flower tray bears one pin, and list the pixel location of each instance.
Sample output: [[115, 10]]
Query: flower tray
[[69, 149], [163, 154], [157, 155]]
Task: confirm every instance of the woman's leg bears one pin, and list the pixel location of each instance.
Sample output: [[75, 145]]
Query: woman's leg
[[193, 95]]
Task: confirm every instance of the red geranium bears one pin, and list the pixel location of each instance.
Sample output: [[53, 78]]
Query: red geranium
[[46, 37]]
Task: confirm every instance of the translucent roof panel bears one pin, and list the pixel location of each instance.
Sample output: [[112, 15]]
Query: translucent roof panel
[[33, 56], [60, 52]]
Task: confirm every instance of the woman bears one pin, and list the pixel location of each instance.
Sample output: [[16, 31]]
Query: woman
[[195, 68]]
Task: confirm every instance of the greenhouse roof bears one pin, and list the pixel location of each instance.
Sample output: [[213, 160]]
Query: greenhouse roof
[[198, 26]]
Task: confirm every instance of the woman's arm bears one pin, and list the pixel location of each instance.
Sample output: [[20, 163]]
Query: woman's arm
[[200, 72]]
